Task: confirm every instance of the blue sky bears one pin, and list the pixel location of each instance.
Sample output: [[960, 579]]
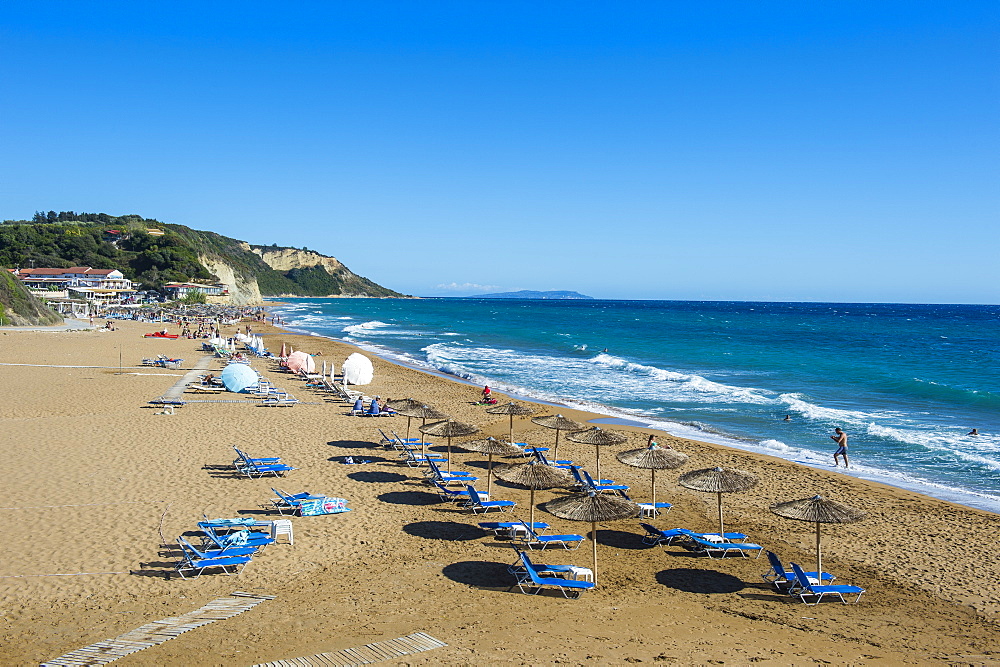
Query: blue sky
[[841, 151]]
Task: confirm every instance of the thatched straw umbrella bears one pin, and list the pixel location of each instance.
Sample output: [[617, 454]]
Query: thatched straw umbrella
[[510, 409], [559, 423], [409, 408], [654, 457], [592, 507], [718, 481], [818, 510], [449, 428], [415, 409], [598, 437], [534, 475], [490, 446]]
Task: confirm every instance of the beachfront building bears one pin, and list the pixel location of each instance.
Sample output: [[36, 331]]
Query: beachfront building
[[83, 282], [181, 290], [76, 276]]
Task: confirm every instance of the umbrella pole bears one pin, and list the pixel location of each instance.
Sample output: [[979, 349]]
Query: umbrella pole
[[593, 539], [531, 511], [819, 556], [555, 452], [408, 419], [598, 449], [489, 476], [423, 445], [510, 432], [449, 455], [652, 486], [722, 529]]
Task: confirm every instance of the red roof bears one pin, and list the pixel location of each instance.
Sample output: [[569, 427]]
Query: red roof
[[85, 270]]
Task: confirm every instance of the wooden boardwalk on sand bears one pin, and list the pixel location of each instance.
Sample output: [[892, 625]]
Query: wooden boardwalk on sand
[[390, 649], [157, 632]]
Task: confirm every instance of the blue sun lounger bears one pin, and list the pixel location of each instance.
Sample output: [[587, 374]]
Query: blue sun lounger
[[247, 467], [531, 539], [196, 561], [655, 536], [646, 509], [291, 503], [476, 502], [779, 576], [243, 457], [570, 588], [709, 547], [807, 588], [240, 538], [450, 495], [506, 528], [541, 458], [446, 478]]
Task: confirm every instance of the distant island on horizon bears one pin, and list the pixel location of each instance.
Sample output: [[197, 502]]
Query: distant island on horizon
[[529, 294]]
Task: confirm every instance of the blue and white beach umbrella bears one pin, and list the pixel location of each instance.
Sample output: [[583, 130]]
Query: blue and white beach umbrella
[[237, 377]]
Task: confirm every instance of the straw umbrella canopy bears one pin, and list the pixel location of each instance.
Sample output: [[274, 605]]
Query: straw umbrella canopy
[[449, 428], [593, 507], [534, 475], [654, 458], [718, 481], [490, 446], [411, 409], [598, 437], [510, 409], [559, 423], [818, 510]]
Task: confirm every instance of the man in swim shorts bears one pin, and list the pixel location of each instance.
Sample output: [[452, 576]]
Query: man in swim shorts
[[841, 439]]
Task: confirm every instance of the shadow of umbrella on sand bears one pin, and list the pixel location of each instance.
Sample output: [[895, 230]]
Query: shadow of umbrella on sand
[[510, 409], [559, 423], [598, 437], [718, 481], [818, 510], [534, 475], [654, 457], [490, 446], [449, 428], [416, 410], [593, 507]]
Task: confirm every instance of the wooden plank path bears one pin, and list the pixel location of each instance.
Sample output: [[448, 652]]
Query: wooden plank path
[[389, 649], [157, 632]]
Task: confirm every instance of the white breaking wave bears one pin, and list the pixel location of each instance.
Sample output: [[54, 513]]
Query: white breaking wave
[[364, 327], [697, 388]]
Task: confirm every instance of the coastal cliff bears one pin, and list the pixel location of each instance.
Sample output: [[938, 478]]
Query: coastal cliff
[[19, 307], [308, 273], [152, 254]]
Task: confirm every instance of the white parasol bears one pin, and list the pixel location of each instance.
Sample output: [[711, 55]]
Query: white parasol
[[358, 369]]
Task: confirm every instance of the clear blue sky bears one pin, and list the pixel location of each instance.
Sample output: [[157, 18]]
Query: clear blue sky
[[840, 151]]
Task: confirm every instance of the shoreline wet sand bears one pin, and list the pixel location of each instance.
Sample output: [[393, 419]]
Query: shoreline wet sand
[[97, 482]]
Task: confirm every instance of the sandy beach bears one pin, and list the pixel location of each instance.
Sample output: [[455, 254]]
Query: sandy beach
[[97, 482]]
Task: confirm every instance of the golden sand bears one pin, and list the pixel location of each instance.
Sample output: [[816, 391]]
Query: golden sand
[[95, 481]]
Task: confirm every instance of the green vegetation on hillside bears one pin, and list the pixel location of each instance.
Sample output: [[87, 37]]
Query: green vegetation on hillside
[[62, 240], [142, 257], [19, 307]]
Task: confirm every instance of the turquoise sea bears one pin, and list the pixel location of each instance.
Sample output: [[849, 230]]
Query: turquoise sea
[[906, 382]]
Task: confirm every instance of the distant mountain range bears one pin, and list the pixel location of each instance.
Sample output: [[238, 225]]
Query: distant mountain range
[[531, 294]]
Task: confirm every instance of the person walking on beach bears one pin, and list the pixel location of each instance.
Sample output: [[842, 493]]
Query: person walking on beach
[[841, 439]]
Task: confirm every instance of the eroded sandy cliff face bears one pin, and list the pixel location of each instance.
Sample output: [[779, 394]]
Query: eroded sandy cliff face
[[241, 292], [286, 259]]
